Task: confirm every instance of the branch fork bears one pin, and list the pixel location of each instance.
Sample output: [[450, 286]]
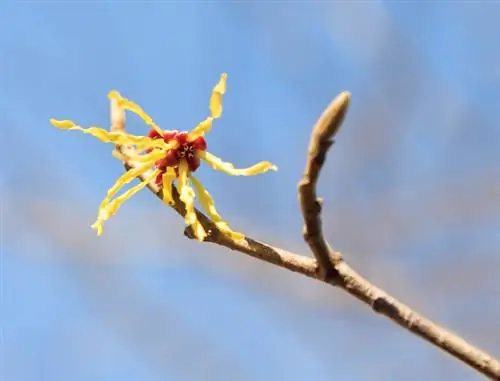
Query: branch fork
[[327, 266]]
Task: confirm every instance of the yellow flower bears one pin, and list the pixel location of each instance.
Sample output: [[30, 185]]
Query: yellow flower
[[172, 156]]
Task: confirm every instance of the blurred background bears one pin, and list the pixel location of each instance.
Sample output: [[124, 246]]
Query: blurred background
[[411, 188]]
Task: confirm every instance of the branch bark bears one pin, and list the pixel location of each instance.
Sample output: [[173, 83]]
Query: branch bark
[[321, 140], [329, 266]]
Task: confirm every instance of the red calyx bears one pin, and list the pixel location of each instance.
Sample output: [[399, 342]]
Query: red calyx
[[169, 135], [199, 143], [181, 137], [153, 134], [169, 160], [193, 163], [159, 178], [185, 150]]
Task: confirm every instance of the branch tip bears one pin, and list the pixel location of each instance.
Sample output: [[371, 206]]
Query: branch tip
[[330, 121], [322, 136]]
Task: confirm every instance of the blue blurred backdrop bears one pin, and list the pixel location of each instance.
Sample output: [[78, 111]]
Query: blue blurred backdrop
[[411, 187]]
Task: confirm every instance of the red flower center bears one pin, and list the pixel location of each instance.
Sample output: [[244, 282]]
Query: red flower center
[[186, 149]]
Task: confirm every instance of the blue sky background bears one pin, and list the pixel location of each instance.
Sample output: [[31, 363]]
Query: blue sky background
[[411, 188]]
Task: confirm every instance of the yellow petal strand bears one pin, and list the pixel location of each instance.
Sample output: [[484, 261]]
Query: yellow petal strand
[[207, 202], [229, 168], [216, 98], [120, 156], [129, 155], [125, 179], [116, 137], [186, 195], [135, 108], [136, 158], [148, 157], [167, 180], [115, 95], [107, 212], [201, 129], [199, 231]]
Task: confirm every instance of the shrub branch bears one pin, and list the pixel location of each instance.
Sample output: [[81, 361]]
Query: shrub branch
[[328, 266]]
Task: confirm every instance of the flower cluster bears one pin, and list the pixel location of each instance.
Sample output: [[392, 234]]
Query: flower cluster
[[165, 156]]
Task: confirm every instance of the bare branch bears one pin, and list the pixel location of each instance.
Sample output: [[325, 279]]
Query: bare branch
[[329, 266], [321, 140]]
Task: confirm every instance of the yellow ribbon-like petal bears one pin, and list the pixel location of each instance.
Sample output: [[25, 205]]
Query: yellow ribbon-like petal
[[207, 202], [134, 157], [167, 180], [186, 195], [120, 156], [110, 209], [129, 176], [116, 137], [215, 109], [216, 98], [201, 129], [229, 168], [135, 108]]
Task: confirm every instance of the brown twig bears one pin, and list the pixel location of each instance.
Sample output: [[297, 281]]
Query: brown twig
[[321, 141], [329, 266]]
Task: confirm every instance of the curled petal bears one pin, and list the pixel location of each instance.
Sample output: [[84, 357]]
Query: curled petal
[[186, 195], [215, 109], [167, 180], [207, 202], [135, 157], [152, 156], [120, 156], [229, 168], [106, 212], [201, 129], [116, 137], [135, 108], [216, 98], [125, 179]]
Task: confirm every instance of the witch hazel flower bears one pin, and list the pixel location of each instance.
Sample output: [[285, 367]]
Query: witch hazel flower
[[165, 157]]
